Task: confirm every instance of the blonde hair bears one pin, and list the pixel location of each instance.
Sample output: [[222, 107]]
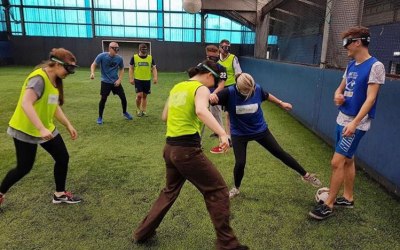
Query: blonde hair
[[245, 84]]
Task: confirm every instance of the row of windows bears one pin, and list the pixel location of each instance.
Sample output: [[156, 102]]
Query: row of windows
[[127, 18]]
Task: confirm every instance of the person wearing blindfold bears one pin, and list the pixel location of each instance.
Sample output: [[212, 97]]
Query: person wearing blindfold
[[243, 102], [212, 53], [112, 71], [40, 101], [356, 98], [232, 66], [184, 112], [141, 67]]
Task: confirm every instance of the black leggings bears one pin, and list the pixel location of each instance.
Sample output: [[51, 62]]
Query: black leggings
[[267, 140], [26, 153], [103, 101]]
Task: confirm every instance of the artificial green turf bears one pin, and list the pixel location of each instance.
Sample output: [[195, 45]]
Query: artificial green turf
[[118, 169]]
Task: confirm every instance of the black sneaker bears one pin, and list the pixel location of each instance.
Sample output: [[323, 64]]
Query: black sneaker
[[67, 197], [343, 202], [321, 211]]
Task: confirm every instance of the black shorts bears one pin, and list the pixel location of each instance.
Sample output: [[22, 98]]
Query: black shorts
[[142, 86], [106, 88]]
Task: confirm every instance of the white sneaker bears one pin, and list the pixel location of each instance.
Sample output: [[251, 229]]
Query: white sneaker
[[312, 180], [234, 192]]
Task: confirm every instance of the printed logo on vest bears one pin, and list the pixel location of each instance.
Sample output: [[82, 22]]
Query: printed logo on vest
[[247, 109], [53, 99], [143, 64], [178, 99]]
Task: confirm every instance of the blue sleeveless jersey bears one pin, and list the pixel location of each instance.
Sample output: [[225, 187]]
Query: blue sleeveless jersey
[[355, 94], [246, 116]]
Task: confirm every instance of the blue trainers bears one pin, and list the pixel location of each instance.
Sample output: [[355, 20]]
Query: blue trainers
[[100, 120], [127, 116]]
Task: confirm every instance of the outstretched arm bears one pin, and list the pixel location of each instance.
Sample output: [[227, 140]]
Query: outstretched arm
[[285, 105]]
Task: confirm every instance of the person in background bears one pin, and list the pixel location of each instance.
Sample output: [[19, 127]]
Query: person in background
[[112, 71], [141, 67], [232, 66]]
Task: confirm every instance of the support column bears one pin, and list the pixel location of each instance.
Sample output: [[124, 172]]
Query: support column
[[262, 31]]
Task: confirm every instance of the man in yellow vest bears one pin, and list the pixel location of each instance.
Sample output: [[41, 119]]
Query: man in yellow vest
[[232, 66], [141, 67]]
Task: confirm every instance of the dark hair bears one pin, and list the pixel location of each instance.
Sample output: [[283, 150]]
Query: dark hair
[[212, 48], [357, 32], [65, 56], [224, 41], [142, 45], [199, 69]]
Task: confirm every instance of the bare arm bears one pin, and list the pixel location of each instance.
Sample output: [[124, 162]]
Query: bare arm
[[131, 74], [62, 118], [338, 97], [28, 100], [120, 75], [155, 74], [213, 96], [201, 103], [92, 70], [372, 93], [282, 104], [164, 115]]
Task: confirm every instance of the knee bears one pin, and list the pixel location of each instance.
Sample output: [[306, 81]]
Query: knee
[[103, 98], [139, 95], [336, 163]]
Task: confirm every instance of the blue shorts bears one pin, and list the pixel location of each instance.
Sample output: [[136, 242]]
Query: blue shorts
[[142, 86], [347, 146]]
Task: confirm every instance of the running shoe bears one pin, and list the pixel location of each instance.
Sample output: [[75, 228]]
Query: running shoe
[[217, 150], [67, 197], [144, 114], [139, 113], [100, 120], [127, 116], [146, 238], [233, 193], [310, 178]]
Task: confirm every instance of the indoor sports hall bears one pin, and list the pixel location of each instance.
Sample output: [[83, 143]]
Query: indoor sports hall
[[320, 75]]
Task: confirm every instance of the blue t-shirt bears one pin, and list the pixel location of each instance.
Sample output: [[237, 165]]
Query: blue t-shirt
[[109, 65], [246, 116]]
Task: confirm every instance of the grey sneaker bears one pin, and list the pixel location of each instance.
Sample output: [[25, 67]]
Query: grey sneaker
[[310, 178], [234, 192]]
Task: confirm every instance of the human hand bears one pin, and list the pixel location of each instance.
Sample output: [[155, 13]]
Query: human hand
[[131, 81], [286, 106], [349, 129], [338, 99], [46, 134], [91, 76], [117, 82], [213, 99], [224, 142], [155, 80], [72, 132]]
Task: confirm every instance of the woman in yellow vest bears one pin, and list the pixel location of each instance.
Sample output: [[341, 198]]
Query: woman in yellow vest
[[184, 112], [32, 123]]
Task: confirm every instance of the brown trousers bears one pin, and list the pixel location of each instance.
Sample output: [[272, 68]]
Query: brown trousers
[[190, 163]]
